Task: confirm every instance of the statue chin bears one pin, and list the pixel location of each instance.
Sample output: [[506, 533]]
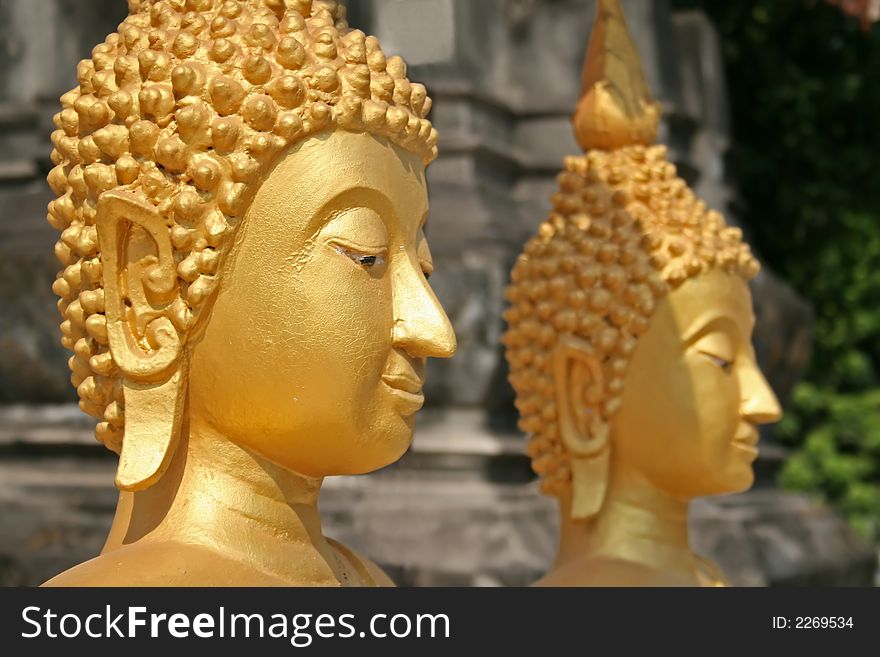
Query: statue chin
[[245, 284]]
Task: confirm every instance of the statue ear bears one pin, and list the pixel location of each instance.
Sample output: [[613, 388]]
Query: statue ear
[[580, 388], [140, 283]]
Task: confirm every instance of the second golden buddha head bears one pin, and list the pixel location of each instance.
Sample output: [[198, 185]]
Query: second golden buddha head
[[241, 201], [630, 323]]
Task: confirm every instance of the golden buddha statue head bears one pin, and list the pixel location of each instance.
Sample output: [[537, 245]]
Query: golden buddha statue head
[[630, 318], [241, 199]]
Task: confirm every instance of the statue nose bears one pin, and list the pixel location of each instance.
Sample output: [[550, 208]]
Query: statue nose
[[759, 404], [425, 335], [421, 327]]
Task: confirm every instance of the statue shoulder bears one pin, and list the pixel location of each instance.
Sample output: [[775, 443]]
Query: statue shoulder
[[165, 563], [606, 571], [709, 573], [369, 572], [173, 563], [125, 566]]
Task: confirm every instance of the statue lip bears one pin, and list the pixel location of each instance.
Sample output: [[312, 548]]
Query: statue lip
[[403, 383], [407, 390], [748, 441], [748, 437]]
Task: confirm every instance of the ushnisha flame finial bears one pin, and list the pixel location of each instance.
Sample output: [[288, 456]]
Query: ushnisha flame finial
[[616, 108]]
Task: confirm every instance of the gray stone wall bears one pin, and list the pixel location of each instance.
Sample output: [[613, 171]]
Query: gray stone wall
[[40, 45]]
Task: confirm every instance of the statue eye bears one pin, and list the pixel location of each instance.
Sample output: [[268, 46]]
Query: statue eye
[[725, 365], [365, 260], [427, 269]]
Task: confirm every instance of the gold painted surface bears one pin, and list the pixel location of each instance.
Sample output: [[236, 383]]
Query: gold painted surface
[[241, 200], [616, 107], [629, 346]]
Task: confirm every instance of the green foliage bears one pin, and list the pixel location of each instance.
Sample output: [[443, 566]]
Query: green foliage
[[803, 81], [838, 449]]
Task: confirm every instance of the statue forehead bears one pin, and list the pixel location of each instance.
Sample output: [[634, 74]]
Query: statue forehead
[[333, 163], [713, 295]]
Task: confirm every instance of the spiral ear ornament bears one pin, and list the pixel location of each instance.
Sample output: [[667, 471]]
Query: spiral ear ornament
[[150, 362], [117, 211], [580, 388], [579, 392]]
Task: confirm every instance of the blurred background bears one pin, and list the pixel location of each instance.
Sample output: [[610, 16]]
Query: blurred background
[[771, 114]]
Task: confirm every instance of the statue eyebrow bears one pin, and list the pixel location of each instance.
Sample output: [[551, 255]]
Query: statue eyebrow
[[354, 242], [703, 327]]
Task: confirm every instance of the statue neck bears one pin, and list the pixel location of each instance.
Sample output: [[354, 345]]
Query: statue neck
[[638, 523], [224, 497]]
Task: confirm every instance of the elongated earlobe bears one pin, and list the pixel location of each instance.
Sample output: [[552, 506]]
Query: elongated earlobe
[[140, 283], [579, 387], [151, 434], [589, 476]]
